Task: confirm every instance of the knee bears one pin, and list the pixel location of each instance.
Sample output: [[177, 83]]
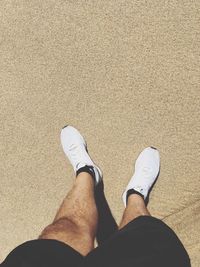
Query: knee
[[68, 232], [63, 225], [59, 225]]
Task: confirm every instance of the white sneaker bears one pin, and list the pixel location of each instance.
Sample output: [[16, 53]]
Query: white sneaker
[[147, 167], [75, 148]]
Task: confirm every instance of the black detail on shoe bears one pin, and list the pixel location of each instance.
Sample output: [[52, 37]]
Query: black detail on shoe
[[153, 147], [88, 169], [65, 126], [132, 191]]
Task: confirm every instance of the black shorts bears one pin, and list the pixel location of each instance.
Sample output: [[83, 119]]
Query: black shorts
[[144, 242]]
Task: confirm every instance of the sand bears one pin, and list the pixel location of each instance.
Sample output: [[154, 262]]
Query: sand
[[126, 75]]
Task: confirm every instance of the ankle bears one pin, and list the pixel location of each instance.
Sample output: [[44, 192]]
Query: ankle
[[135, 199], [136, 206], [87, 170], [84, 178]]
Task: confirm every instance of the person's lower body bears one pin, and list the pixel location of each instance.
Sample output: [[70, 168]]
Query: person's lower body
[[140, 240]]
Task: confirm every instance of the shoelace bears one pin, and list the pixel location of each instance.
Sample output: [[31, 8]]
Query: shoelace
[[146, 171]]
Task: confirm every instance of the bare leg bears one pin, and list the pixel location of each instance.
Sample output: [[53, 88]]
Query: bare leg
[[135, 207], [76, 220]]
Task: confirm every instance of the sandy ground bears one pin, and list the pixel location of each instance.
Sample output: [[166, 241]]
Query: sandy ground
[[126, 74]]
